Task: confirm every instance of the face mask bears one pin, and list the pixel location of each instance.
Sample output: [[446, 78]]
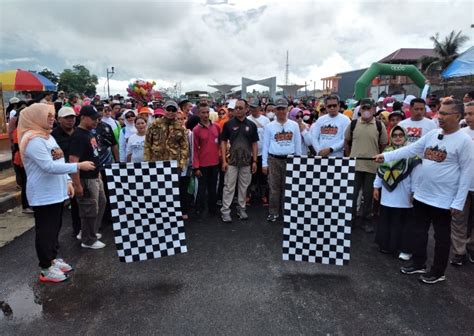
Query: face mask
[[271, 115], [306, 118], [366, 114]]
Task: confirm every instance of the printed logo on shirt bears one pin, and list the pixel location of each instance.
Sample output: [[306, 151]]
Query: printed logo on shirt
[[436, 153], [95, 147], [329, 130], [414, 133], [57, 153], [284, 136]]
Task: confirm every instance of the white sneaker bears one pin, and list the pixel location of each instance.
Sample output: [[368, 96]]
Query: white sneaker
[[28, 211], [97, 245], [79, 235], [404, 256], [52, 274], [62, 265]]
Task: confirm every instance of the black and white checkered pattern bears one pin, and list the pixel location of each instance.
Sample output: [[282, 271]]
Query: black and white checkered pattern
[[318, 209], [146, 211]]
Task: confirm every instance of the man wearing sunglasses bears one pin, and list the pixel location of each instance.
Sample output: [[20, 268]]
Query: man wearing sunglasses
[[327, 134], [365, 138], [166, 138], [448, 163]]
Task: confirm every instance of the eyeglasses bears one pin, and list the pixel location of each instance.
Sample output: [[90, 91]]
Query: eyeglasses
[[331, 106], [366, 107], [398, 135], [299, 116], [171, 109], [446, 113], [240, 108], [223, 113]]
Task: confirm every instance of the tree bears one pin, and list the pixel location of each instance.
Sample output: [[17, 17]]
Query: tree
[[50, 75], [78, 80], [446, 50]]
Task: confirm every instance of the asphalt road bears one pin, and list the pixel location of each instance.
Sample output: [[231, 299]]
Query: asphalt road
[[231, 282]]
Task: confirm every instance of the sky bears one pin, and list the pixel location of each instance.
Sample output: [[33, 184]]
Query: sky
[[198, 43]]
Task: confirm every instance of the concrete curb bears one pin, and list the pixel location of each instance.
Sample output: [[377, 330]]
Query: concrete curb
[[10, 201]]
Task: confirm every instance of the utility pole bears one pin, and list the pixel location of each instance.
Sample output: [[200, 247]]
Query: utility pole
[[286, 71], [111, 73]]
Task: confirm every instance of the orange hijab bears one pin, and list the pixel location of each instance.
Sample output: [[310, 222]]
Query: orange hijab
[[34, 123], [222, 121]]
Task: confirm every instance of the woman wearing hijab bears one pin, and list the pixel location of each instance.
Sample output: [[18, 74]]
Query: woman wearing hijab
[[296, 114], [48, 185], [393, 181], [126, 133]]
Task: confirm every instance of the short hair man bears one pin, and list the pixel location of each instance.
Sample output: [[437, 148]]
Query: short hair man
[[440, 195]]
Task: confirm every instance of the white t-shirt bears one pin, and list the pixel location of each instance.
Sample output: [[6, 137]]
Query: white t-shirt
[[136, 146], [398, 197], [470, 132], [417, 129], [446, 172], [328, 132], [281, 140], [12, 114], [260, 122]]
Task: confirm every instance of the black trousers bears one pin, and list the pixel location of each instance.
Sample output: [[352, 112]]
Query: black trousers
[[184, 197], [21, 181], [394, 230], [48, 221], [441, 218], [108, 212], [207, 183], [364, 181], [220, 187], [76, 219]]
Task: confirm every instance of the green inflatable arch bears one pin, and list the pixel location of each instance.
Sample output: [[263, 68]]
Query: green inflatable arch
[[387, 69]]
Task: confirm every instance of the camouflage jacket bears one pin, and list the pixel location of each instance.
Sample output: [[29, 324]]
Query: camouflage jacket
[[166, 140]]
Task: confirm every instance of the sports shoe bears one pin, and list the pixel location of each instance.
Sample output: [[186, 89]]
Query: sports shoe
[[97, 245], [413, 269], [242, 214], [431, 278], [470, 255], [264, 201], [272, 218], [28, 211], [404, 256], [458, 260], [79, 235], [226, 217], [52, 274], [62, 265]]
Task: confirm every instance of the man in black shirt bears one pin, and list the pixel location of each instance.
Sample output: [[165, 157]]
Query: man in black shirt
[[88, 185], [242, 162], [62, 134]]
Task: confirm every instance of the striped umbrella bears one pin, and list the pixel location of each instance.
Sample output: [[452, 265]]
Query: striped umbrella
[[21, 80]]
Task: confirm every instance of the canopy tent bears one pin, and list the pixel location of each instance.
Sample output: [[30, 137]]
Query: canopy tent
[[21, 80], [462, 66]]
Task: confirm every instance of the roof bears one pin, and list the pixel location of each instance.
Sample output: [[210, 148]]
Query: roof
[[462, 66], [408, 54]]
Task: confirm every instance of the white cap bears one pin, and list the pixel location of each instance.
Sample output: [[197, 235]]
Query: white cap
[[14, 100], [380, 100], [66, 111], [408, 99]]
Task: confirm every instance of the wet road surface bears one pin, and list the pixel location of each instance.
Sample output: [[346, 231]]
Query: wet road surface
[[232, 281]]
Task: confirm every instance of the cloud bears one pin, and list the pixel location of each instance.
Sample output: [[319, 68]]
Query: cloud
[[202, 42]]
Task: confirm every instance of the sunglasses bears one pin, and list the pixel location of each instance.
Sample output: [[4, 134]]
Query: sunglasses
[[171, 109], [331, 106], [223, 113], [398, 135]]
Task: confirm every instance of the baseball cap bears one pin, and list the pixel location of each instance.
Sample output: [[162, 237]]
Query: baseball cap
[[159, 112], [254, 103], [14, 100], [66, 111], [397, 113], [281, 102], [146, 110], [171, 103], [232, 103], [367, 101], [380, 100], [89, 111]]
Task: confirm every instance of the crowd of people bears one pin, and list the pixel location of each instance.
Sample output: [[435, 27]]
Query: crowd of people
[[235, 152]]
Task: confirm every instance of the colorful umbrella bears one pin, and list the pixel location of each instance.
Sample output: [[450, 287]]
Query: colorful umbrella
[[21, 80]]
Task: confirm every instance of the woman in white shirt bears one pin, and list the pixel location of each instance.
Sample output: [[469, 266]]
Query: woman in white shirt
[[125, 133], [136, 142], [48, 185]]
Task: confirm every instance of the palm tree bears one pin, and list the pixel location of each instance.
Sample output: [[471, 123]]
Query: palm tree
[[446, 50]]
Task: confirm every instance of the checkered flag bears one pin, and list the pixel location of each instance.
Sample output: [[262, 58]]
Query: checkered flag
[[146, 211], [318, 209]]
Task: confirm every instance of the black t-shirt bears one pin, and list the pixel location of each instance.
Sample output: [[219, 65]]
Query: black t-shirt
[[105, 141], [63, 139], [84, 146], [241, 134]]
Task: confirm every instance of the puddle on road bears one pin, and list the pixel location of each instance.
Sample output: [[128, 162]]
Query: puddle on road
[[22, 305]]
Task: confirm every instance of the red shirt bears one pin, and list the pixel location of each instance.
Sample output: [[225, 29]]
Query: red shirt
[[206, 145]]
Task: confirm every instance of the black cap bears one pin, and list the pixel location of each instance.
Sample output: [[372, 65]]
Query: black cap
[[89, 111]]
